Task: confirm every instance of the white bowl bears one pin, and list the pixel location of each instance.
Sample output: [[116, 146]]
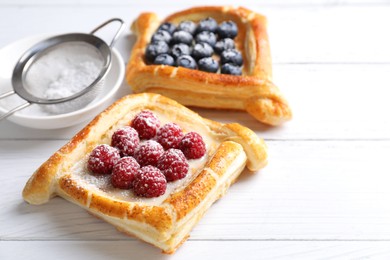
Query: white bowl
[[34, 117]]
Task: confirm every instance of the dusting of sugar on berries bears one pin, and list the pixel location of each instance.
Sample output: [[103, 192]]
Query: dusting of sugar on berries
[[170, 135], [146, 124], [148, 153], [126, 140], [149, 182], [151, 156], [124, 172], [102, 159], [192, 145], [173, 164]]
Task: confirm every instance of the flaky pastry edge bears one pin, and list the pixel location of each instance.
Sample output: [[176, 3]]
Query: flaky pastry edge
[[167, 225]]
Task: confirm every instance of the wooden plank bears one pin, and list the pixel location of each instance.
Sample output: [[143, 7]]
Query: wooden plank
[[328, 102], [196, 250], [297, 35], [311, 190]]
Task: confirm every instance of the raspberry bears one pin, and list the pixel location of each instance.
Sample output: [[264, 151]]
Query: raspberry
[[124, 172], [146, 124], [192, 145], [169, 136], [148, 153], [173, 164], [149, 182], [126, 140], [102, 159]]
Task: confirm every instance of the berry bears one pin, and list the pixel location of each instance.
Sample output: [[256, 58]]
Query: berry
[[161, 35], [231, 56], [126, 140], [202, 50], [227, 29], [224, 44], [167, 27], [173, 164], [231, 69], [102, 159], [169, 135], [149, 182], [186, 61], [192, 145], [164, 59], [188, 26], [207, 37], [154, 49], [182, 37], [146, 124], [180, 49], [208, 24], [148, 153], [208, 64], [124, 172]]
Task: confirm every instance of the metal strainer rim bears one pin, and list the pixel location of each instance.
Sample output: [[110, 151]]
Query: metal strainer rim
[[25, 60], [28, 58]]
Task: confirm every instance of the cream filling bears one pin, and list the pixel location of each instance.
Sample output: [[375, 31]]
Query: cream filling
[[102, 183]]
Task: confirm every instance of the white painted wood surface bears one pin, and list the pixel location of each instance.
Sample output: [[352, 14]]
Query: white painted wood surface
[[325, 193]]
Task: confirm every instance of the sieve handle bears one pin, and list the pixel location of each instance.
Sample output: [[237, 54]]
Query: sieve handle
[[118, 32], [14, 110], [6, 94]]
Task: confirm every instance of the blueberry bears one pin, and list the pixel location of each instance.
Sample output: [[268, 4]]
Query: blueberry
[[182, 37], [180, 49], [161, 35], [208, 64], [224, 44], [231, 56], [231, 69], [227, 30], [208, 24], [188, 26], [202, 50], [186, 61], [154, 49], [167, 27], [164, 59], [207, 37]]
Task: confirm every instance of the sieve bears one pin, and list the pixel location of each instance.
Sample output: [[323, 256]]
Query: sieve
[[74, 101]]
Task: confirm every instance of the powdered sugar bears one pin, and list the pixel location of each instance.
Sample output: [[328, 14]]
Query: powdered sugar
[[173, 164], [124, 173], [64, 70], [148, 153], [126, 140], [169, 135], [102, 159], [192, 145], [176, 170], [146, 124], [149, 182]]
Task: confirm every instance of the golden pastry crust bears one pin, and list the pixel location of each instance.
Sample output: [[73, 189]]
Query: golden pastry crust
[[253, 91], [165, 224]]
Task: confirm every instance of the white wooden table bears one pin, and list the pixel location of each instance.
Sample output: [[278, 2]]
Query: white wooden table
[[326, 191]]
